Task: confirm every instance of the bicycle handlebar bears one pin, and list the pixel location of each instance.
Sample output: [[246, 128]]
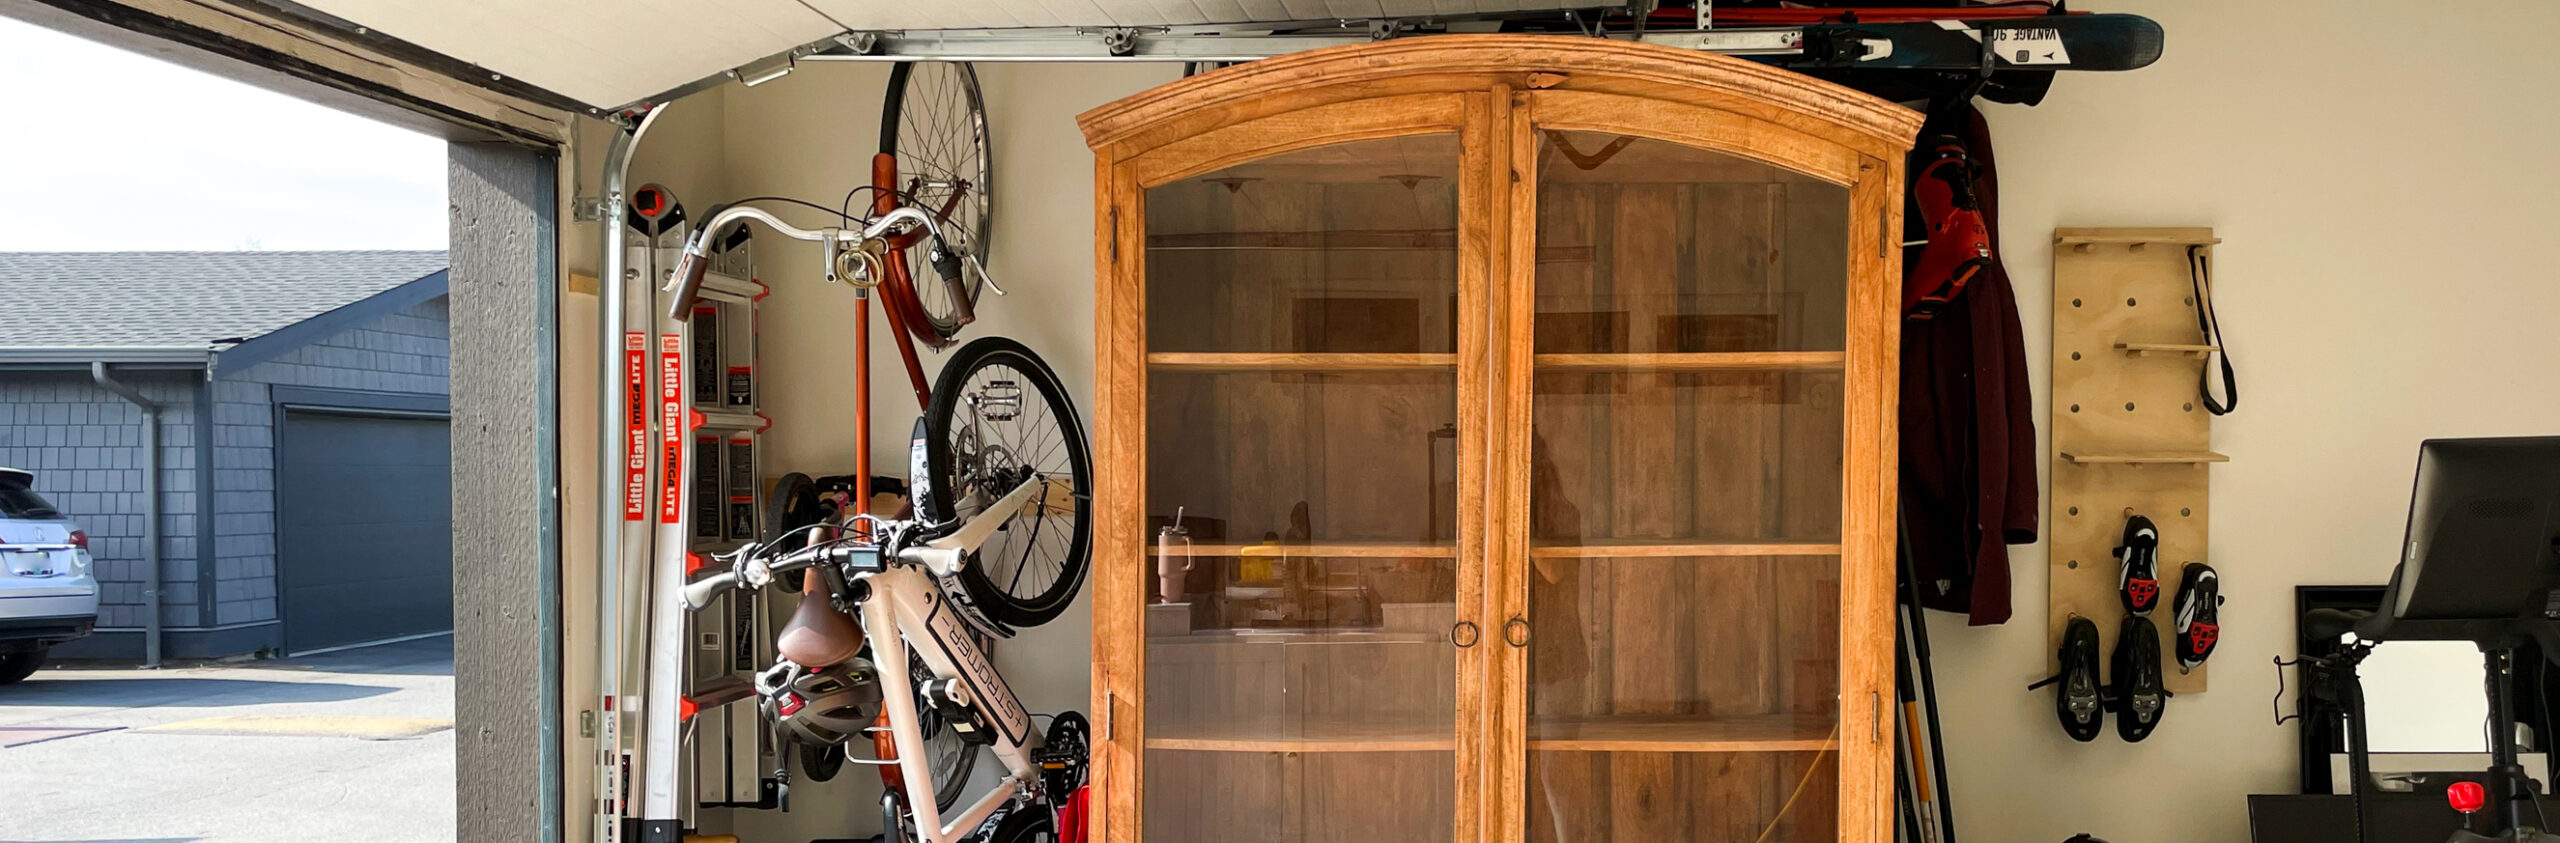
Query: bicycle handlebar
[[699, 593], [686, 283], [755, 572]]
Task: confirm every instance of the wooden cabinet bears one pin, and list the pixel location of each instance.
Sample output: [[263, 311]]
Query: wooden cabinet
[[1526, 405]]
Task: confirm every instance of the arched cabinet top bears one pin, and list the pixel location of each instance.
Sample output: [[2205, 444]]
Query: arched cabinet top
[[1467, 63]]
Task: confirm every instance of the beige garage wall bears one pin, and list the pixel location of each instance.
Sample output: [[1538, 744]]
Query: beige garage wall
[[2380, 182], [811, 135]]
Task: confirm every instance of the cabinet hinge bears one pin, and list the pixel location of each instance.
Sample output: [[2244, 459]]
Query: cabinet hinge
[[1115, 235], [1110, 716]]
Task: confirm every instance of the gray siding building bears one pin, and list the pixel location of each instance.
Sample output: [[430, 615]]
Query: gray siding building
[[304, 488]]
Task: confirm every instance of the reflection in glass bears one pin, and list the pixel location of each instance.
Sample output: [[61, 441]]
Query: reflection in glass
[[1684, 496], [1301, 424]]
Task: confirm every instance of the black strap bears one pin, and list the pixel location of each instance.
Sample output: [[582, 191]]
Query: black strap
[[2199, 276]]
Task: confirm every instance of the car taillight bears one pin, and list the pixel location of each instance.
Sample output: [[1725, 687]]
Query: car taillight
[[80, 539]]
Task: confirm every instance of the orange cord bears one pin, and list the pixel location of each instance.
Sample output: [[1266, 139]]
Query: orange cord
[[1800, 784]]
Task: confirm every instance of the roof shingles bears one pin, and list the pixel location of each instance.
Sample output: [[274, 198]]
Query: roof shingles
[[185, 299]]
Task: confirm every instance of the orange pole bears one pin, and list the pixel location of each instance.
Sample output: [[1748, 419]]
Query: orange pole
[[862, 403]]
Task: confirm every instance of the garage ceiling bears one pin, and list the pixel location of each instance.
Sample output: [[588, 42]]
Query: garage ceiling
[[609, 53]]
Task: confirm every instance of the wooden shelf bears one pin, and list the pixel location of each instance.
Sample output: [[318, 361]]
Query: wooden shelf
[[2134, 236], [1396, 240], [1673, 547], [1327, 550], [1347, 733], [1186, 361], [1326, 733], [2138, 349], [1627, 733], [1735, 361], [2144, 458], [1443, 240]]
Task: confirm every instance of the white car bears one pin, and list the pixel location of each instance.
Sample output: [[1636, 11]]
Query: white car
[[47, 593]]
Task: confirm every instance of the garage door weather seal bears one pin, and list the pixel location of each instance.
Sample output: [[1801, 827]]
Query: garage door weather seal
[[398, 639]]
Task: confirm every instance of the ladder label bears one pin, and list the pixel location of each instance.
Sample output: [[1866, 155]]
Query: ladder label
[[671, 428], [635, 416]]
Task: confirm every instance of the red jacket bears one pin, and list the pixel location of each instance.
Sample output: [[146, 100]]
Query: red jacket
[[1968, 433]]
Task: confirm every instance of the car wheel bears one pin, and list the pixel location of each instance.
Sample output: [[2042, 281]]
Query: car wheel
[[18, 666]]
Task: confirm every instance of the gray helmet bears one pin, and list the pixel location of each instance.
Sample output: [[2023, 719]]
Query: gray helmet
[[820, 707]]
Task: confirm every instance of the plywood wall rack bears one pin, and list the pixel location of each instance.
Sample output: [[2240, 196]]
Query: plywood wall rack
[[2129, 433]]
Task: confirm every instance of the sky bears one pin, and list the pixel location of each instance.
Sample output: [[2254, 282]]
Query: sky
[[102, 149]]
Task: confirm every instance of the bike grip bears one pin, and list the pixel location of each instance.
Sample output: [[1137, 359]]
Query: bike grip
[[689, 272], [698, 594]]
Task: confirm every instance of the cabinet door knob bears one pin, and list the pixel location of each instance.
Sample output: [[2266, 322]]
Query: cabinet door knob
[[1516, 631], [1464, 634]]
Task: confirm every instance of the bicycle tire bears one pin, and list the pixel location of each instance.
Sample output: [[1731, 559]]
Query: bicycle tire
[[821, 763], [941, 148], [1024, 824], [965, 474], [792, 505]]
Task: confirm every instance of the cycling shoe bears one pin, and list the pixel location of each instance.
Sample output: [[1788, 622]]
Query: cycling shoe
[[2077, 698], [2140, 698], [2138, 566], [2199, 614]]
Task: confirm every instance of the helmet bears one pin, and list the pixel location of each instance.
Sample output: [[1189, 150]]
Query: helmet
[[820, 707]]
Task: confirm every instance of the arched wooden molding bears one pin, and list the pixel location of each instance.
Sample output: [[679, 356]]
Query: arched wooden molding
[[1459, 63]]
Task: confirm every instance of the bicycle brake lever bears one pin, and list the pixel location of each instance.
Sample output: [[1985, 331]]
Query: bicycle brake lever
[[982, 273]]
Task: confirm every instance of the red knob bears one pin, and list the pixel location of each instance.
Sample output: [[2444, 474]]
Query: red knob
[[2466, 796]]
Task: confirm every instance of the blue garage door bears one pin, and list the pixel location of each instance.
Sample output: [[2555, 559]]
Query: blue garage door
[[364, 528]]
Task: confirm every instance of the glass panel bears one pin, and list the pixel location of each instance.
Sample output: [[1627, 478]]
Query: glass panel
[[1345, 248], [1684, 496], [1301, 423], [1649, 246]]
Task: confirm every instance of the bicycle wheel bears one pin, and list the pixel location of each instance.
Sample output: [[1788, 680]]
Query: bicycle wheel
[[1000, 417], [950, 753], [935, 125], [788, 509], [1023, 824]]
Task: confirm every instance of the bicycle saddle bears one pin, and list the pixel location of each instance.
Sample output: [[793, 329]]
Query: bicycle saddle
[[817, 635]]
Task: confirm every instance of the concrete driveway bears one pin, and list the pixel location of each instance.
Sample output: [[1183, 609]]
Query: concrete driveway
[[356, 745]]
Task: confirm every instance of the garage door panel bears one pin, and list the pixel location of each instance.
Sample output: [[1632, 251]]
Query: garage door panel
[[365, 528]]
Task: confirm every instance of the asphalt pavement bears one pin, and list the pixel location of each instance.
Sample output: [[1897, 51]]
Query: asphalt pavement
[[354, 745]]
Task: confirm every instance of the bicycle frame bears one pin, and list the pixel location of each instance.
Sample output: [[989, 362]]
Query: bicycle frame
[[904, 605], [905, 608]]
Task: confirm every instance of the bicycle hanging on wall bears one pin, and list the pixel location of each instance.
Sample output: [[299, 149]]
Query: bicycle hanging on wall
[[1000, 466]]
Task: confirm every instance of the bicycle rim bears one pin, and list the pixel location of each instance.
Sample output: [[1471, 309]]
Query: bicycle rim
[[998, 415], [935, 124]]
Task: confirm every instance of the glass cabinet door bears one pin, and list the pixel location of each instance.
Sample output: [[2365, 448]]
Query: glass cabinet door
[[1301, 496], [1684, 495]]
